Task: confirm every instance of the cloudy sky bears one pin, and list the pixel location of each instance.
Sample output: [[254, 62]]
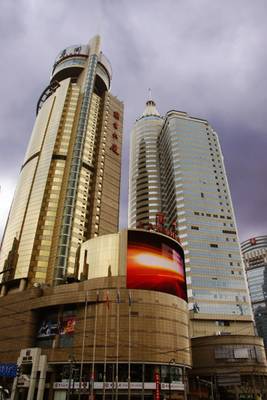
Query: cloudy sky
[[206, 57]]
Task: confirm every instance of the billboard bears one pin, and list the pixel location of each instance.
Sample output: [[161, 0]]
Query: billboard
[[51, 326], [155, 262]]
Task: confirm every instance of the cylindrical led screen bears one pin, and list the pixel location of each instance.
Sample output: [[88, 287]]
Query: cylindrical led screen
[[155, 262]]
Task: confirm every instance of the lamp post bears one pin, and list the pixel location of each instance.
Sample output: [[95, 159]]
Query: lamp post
[[171, 362], [71, 360]]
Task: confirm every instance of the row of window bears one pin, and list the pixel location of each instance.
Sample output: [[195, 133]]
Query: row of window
[[217, 283]]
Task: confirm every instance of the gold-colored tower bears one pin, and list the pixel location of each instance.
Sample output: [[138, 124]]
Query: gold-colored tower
[[69, 185]]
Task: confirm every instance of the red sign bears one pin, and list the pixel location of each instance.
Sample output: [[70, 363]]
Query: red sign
[[157, 381], [114, 148], [161, 229], [253, 241], [116, 115], [160, 218]]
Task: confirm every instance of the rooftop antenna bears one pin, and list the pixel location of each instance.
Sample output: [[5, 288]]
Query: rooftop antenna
[[99, 28], [149, 94], [99, 25]]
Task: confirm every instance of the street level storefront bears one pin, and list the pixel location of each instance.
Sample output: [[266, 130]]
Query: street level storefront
[[233, 368]]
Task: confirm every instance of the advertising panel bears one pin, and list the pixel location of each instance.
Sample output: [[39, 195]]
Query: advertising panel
[[8, 370], [155, 262], [51, 326]]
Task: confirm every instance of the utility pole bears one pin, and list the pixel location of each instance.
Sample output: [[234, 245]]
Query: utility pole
[[70, 376], [171, 362]]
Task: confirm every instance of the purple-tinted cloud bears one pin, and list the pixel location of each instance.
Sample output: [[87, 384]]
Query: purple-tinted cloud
[[204, 57]]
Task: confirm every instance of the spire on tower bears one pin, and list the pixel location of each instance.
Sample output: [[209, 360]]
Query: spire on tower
[[150, 106]]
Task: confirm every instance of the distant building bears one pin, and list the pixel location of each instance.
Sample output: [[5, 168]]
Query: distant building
[[254, 252], [69, 184], [177, 173]]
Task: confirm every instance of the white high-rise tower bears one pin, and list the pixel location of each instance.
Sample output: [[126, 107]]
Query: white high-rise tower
[[177, 168], [144, 188]]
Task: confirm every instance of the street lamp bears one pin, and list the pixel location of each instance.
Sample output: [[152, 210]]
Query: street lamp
[[171, 362], [71, 361]]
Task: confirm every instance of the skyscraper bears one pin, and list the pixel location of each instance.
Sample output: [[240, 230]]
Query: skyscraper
[[68, 190], [144, 189], [254, 252], [177, 169], [112, 332]]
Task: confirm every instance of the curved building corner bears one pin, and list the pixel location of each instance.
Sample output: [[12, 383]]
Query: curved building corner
[[233, 366], [121, 330]]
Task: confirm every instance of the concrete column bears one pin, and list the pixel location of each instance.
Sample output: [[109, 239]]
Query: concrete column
[[22, 285], [36, 353], [42, 378], [3, 291], [14, 389]]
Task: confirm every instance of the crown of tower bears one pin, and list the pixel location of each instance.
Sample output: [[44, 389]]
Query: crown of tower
[[150, 108]]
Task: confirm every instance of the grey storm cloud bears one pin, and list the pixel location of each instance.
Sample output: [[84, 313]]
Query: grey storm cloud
[[205, 57]]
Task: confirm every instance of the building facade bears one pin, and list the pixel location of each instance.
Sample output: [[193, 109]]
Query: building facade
[[144, 188], [186, 182], [121, 332], [69, 184], [254, 252]]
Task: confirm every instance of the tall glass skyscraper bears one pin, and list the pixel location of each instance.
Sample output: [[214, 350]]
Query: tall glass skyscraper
[[177, 169], [69, 185], [254, 252]]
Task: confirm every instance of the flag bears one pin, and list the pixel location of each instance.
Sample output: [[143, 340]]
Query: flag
[[107, 299], [118, 297], [130, 298]]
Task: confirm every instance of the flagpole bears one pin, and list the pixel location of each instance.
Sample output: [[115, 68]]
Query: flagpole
[[105, 355], [129, 350], [83, 342], [117, 349], [94, 347]]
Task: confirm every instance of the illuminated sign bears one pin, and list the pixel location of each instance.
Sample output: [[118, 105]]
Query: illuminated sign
[[157, 381], [155, 262], [51, 326], [8, 370]]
